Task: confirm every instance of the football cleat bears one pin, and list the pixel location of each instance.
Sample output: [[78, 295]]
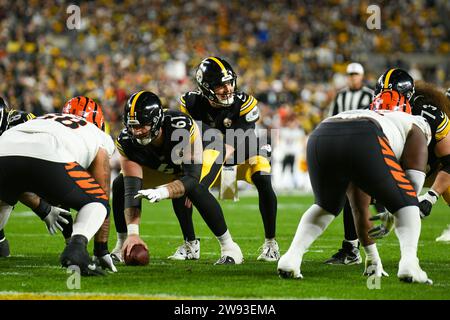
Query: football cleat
[[445, 236], [4, 248], [116, 253], [410, 271], [269, 251], [76, 254], [347, 255], [231, 255], [106, 262], [189, 250], [288, 269]]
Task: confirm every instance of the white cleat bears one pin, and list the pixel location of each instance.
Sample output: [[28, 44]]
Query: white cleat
[[445, 236], [116, 254], [189, 250], [410, 271], [288, 269], [231, 255], [269, 251]]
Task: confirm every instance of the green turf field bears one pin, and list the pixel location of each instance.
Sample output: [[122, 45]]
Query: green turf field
[[33, 266]]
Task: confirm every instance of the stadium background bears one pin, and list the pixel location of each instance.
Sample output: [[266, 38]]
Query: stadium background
[[291, 55]]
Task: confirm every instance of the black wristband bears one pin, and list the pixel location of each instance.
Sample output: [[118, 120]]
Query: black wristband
[[132, 186], [43, 209], [100, 249]]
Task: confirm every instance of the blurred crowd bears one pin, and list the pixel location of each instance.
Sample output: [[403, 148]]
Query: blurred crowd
[[290, 54]]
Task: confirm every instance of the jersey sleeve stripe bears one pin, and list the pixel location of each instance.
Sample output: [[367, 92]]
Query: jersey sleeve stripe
[[119, 147], [247, 102], [443, 129], [249, 108]]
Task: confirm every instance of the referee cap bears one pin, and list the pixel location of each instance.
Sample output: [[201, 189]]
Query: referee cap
[[355, 68]]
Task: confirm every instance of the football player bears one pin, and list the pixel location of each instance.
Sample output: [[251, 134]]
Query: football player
[[55, 218], [218, 104], [91, 111], [161, 150], [50, 156], [428, 102], [358, 153]]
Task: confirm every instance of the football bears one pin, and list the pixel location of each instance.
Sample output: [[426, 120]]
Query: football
[[138, 256]]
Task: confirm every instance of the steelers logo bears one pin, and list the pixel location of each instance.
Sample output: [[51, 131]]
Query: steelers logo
[[199, 76], [227, 122]]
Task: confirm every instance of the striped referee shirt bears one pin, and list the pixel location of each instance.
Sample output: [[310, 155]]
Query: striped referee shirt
[[348, 99]]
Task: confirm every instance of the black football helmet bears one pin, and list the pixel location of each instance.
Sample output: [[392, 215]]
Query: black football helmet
[[4, 109], [211, 73], [398, 80], [144, 108], [447, 93], [10, 117]]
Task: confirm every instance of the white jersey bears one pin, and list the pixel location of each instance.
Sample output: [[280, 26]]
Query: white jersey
[[57, 138], [396, 125]]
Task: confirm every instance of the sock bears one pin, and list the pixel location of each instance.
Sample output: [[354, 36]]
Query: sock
[[225, 240], [313, 222], [349, 223], [89, 219], [267, 202], [2, 235], [100, 248], [354, 243], [407, 229]]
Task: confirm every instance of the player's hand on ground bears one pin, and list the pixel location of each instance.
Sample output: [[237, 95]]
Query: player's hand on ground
[[426, 202], [55, 217], [386, 226], [130, 242]]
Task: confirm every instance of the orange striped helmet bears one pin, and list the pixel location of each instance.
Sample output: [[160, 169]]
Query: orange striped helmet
[[390, 100], [86, 108]]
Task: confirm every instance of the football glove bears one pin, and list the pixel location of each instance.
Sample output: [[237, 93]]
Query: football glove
[[426, 202], [54, 218], [386, 226], [153, 195], [374, 268], [106, 262]]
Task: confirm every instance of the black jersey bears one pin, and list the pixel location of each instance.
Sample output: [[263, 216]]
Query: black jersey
[[439, 124], [13, 118], [161, 158], [242, 114]]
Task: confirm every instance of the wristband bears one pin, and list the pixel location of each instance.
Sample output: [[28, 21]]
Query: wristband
[[163, 192], [43, 209], [133, 228]]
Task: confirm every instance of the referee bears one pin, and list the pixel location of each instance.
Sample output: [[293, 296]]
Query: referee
[[355, 96]]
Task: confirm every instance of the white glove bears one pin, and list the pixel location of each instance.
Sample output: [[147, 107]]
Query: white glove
[[106, 262], [54, 217], [374, 268], [426, 202], [153, 195], [387, 224]]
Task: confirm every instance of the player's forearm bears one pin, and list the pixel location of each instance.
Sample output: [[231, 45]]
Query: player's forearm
[[101, 171], [441, 183], [133, 216], [29, 199]]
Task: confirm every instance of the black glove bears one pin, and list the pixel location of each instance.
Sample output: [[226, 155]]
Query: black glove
[[426, 202]]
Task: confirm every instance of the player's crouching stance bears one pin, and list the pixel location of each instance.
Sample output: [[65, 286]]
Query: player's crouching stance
[[50, 156], [163, 150], [358, 152]]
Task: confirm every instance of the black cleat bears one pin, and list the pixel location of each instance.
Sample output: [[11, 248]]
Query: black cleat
[[4, 248], [347, 255]]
